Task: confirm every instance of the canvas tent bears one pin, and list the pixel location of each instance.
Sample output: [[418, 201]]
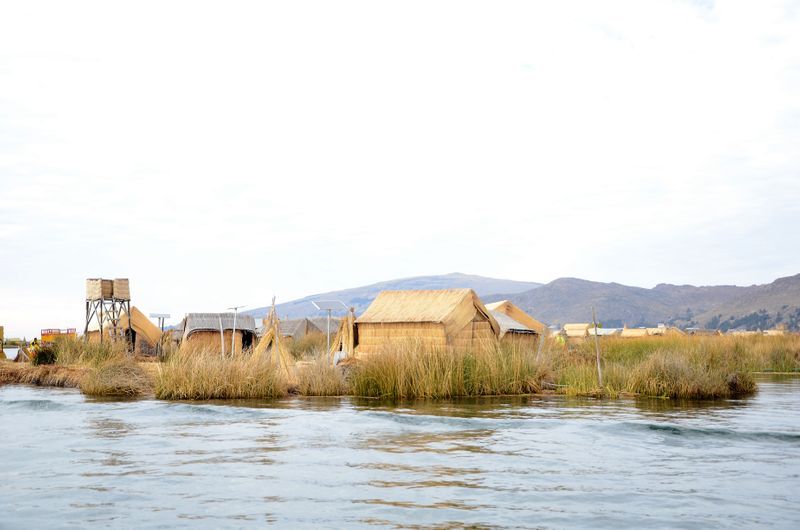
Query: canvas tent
[[202, 330], [435, 318]]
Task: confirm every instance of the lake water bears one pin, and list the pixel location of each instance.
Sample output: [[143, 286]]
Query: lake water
[[339, 463], [10, 353]]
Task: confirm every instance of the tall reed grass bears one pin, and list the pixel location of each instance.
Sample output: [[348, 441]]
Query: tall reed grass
[[308, 347], [320, 378], [412, 371], [205, 374], [77, 351], [678, 366]]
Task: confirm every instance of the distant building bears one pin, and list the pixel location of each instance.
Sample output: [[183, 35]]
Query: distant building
[[577, 330]]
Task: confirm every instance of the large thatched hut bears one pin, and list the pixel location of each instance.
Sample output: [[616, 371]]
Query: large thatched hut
[[435, 319], [202, 331]]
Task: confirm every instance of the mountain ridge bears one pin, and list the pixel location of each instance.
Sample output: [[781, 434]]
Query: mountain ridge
[[569, 299]]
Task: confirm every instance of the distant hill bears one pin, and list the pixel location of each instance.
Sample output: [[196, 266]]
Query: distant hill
[[724, 307], [361, 297]]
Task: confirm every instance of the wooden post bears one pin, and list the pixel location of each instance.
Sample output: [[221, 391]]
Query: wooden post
[[597, 350]]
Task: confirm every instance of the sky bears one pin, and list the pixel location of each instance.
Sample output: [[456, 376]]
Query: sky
[[220, 153]]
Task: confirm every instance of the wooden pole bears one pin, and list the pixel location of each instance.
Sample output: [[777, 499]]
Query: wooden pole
[[597, 350]]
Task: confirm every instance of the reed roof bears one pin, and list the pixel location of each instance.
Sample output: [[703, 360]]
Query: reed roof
[[211, 322], [515, 312], [453, 308], [143, 326], [507, 324]]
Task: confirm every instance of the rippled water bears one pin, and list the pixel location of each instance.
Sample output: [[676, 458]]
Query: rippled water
[[335, 463]]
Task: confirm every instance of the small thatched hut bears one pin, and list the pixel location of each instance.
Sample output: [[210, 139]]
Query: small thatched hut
[[296, 328], [513, 332], [577, 330], [202, 330], [145, 334], [436, 319], [513, 311]]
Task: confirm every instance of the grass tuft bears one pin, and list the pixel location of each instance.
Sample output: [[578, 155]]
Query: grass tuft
[[320, 378], [207, 375], [411, 371], [116, 377]]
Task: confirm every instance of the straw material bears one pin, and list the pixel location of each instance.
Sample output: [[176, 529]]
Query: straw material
[[273, 345], [121, 289], [577, 330], [143, 327], [209, 340], [98, 289], [435, 319], [634, 333], [346, 336], [513, 311]]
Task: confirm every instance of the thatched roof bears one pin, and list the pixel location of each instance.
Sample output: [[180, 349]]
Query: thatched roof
[[298, 328], [516, 313], [454, 308], [507, 324], [143, 326], [577, 330], [211, 322]]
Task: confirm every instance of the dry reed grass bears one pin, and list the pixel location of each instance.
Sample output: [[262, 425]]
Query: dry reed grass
[[413, 371], [704, 367], [310, 346], [205, 374], [119, 376], [79, 352], [320, 378], [42, 375]]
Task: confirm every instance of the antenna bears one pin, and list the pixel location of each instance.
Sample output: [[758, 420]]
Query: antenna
[[329, 306]]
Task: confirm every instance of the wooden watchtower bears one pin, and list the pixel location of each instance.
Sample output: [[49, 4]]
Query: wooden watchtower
[[106, 302]]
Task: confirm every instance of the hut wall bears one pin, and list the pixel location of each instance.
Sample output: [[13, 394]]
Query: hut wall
[[523, 341], [476, 334], [209, 340], [374, 337]]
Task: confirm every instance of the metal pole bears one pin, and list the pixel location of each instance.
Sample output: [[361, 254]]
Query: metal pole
[[221, 337], [597, 350], [233, 335], [329, 330]]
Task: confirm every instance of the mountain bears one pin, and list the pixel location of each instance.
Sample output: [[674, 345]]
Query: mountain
[[361, 297], [724, 307]]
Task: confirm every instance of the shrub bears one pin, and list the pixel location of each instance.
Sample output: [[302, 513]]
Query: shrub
[[44, 355]]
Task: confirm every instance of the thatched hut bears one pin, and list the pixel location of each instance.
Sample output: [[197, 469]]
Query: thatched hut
[[513, 332], [145, 334], [515, 312], [577, 330], [297, 328], [202, 330], [633, 333], [436, 319]]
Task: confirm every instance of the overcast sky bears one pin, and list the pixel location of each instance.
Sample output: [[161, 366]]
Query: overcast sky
[[217, 153]]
